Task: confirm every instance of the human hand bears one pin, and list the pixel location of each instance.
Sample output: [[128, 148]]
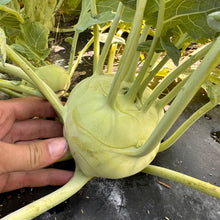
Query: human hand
[[22, 154]]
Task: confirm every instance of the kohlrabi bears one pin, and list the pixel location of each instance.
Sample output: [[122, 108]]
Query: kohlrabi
[[114, 123]]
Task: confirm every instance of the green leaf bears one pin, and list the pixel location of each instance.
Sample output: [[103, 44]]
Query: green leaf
[[151, 9], [33, 42], [214, 93], [2, 46], [70, 6], [4, 2], [186, 16], [145, 46], [40, 12], [213, 21], [86, 20], [172, 51], [190, 16], [110, 5], [116, 39], [9, 17]]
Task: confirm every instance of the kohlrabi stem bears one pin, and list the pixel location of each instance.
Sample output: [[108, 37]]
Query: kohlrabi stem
[[193, 118], [12, 93], [100, 66], [130, 77], [111, 58], [79, 57], [96, 48], [175, 73], [72, 54], [47, 202], [17, 86], [183, 179], [59, 4], [172, 94], [15, 71], [158, 67], [41, 85], [152, 73], [11, 11], [132, 93], [210, 61], [112, 52], [127, 55]]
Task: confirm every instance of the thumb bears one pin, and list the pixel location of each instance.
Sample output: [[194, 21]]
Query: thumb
[[34, 155]]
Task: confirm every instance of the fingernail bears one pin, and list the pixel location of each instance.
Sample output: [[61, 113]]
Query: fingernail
[[57, 147]]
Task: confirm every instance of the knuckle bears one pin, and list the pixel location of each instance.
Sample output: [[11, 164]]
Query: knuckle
[[35, 155]]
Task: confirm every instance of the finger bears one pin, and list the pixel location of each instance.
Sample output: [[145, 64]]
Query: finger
[[29, 107], [33, 129], [32, 156], [36, 178]]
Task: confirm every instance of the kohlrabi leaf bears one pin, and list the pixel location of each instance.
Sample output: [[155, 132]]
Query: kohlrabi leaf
[[2, 46], [43, 12], [33, 42], [186, 15], [190, 16], [70, 5], [115, 39], [151, 8], [87, 20], [145, 46], [10, 17], [213, 21], [214, 93], [109, 5], [172, 51], [4, 2]]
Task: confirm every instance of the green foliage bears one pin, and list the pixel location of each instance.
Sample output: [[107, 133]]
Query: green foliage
[[87, 20], [213, 21], [33, 42], [2, 46], [42, 13], [70, 6], [3, 2], [10, 16]]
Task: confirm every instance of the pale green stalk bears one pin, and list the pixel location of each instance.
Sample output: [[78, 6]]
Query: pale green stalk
[[193, 118], [43, 87], [111, 58], [47, 202], [158, 67], [210, 61], [71, 67], [172, 94], [132, 70], [96, 48], [132, 93], [183, 179], [175, 73], [16, 86], [127, 55], [15, 71], [59, 4], [12, 93], [13, 12], [100, 65], [62, 30], [152, 73], [112, 52], [79, 57]]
